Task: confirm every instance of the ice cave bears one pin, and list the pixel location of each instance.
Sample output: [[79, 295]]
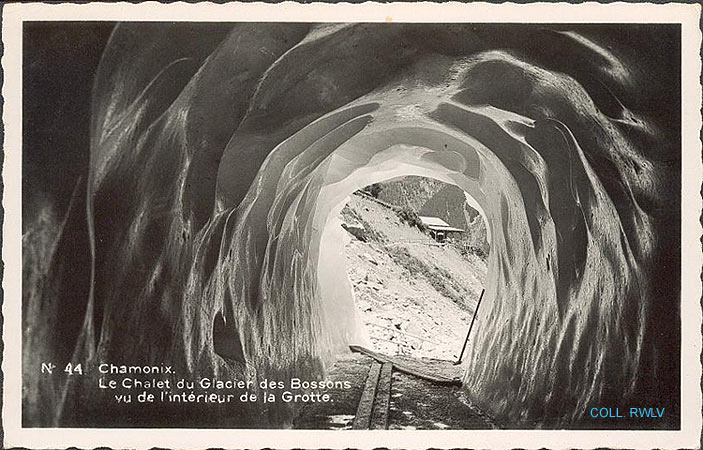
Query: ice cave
[[202, 233]]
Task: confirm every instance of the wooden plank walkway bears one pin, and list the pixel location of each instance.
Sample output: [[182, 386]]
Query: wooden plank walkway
[[382, 397], [379, 418], [372, 412], [362, 420]]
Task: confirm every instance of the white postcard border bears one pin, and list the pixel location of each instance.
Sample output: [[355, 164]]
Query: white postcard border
[[692, 257]]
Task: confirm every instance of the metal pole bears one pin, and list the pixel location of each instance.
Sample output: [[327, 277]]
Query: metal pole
[[470, 327]]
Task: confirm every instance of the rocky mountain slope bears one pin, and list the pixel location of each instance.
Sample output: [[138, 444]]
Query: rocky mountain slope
[[415, 296]]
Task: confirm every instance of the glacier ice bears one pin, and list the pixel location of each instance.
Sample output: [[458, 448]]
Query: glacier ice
[[219, 162]]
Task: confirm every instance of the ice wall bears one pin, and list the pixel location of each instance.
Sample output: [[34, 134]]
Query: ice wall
[[219, 160]]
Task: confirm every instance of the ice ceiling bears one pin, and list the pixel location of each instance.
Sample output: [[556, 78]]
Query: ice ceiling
[[219, 160]]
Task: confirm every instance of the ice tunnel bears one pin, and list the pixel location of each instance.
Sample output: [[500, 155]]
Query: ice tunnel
[[219, 159]]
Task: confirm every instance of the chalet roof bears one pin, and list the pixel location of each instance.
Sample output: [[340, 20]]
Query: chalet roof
[[437, 224]]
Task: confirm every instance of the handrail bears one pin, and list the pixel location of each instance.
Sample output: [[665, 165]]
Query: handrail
[[461, 355], [415, 242]]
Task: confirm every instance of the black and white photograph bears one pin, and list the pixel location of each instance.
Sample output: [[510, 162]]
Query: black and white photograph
[[304, 223]]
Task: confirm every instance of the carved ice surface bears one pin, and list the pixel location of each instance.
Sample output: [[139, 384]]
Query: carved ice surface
[[219, 163]]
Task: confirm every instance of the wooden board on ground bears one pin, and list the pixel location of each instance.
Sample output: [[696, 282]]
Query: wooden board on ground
[[362, 420], [379, 417], [402, 367]]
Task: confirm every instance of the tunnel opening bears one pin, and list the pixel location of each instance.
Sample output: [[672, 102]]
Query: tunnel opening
[[354, 169], [411, 368], [416, 258]]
